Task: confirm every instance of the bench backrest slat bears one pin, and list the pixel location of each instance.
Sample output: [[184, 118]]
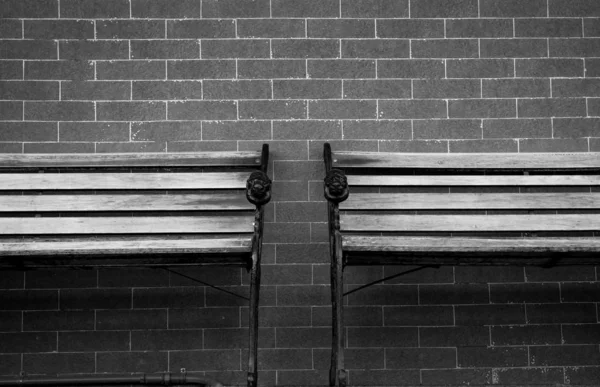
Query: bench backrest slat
[[470, 180], [152, 202]]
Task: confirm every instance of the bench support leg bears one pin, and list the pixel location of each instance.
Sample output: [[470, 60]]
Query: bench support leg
[[254, 299], [337, 373]]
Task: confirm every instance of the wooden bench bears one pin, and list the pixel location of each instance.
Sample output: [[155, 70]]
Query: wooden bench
[[457, 209], [154, 209]]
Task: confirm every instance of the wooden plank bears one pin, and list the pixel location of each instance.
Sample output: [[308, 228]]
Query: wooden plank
[[67, 181], [196, 159], [126, 247], [560, 161], [479, 180], [437, 201], [470, 223], [151, 202], [127, 225]]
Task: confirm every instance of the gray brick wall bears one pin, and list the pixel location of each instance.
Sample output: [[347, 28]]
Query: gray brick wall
[[372, 75]]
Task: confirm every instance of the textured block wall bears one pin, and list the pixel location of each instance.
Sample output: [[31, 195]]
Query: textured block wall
[[372, 75]]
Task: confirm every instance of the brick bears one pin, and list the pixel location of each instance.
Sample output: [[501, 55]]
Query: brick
[[166, 90], [217, 275], [582, 375], [27, 342], [375, 48], [11, 29], [204, 318], [449, 129], [443, 9], [576, 127], [479, 28], [207, 359], [412, 68], [418, 315], [443, 48], [385, 295], [307, 89], [380, 129], [272, 109], [586, 47], [11, 69], [348, 109], [301, 212], [413, 146], [237, 90], [563, 355], [67, 70], [544, 375], [581, 334], [457, 376], [28, 300], [446, 88], [238, 130], [305, 48], [549, 68], [57, 320], [59, 111], [175, 297], [453, 294], [381, 337], [94, 49], [576, 87], [287, 233], [29, 9], [453, 336], [410, 29], [131, 277], [200, 29], [94, 9], [95, 91], [271, 69], [593, 107], [51, 279], [160, 340], [164, 49], [489, 314], [515, 88], [354, 358], [548, 28], [201, 69], [377, 89], [93, 341], [55, 147], [11, 110], [561, 107], [399, 358], [521, 128], [28, 49], [526, 335], [304, 130], [130, 29], [340, 28], [282, 359], [480, 68], [591, 27], [281, 317], [131, 111], [482, 108], [165, 9], [357, 316], [375, 8], [58, 29], [302, 253], [303, 295], [303, 337], [385, 377], [306, 8], [95, 299], [492, 357], [235, 48], [216, 298], [28, 90], [123, 362], [580, 292], [60, 363], [513, 8], [513, 48], [566, 8], [412, 109], [553, 145], [202, 110], [437, 276], [236, 8], [10, 364], [524, 293], [10, 321], [130, 319], [236, 338], [341, 69], [561, 313], [271, 28]]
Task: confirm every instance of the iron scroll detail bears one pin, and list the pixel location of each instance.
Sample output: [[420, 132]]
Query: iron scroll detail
[[336, 186], [258, 188]]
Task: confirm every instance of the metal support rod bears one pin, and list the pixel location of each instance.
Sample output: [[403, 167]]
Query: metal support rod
[[205, 283], [389, 278], [165, 379]]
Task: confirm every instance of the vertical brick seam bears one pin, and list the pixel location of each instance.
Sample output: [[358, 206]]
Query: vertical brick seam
[[370, 75]]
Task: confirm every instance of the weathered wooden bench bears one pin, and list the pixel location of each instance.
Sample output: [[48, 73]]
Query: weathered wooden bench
[[154, 209], [457, 209]]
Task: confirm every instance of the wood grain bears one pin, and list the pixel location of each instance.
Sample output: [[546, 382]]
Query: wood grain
[[469, 180]]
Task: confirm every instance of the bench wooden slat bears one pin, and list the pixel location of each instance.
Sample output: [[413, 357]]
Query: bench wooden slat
[[562, 161], [470, 223], [470, 180], [127, 247], [66, 181], [436, 201], [127, 225], [150, 202], [198, 159]]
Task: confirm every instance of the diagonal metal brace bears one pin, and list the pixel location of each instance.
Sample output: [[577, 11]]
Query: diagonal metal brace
[[390, 277], [206, 284]]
